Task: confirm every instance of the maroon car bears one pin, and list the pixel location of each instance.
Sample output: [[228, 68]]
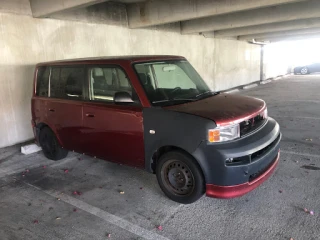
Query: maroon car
[[155, 113]]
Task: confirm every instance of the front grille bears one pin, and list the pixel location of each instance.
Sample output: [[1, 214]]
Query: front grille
[[256, 155], [257, 174], [253, 157], [252, 124]]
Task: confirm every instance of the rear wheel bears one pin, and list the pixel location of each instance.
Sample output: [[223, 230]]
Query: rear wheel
[[50, 145], [304, 71], [180, 177]]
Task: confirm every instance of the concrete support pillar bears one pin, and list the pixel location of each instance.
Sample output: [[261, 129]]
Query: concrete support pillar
[[261, 63]]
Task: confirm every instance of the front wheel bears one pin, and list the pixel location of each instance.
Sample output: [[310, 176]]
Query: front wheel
[[180, 177], [304, 71], [50, 145]]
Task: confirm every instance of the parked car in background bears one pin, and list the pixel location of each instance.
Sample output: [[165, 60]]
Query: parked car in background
[[307, 69], [156, 113]]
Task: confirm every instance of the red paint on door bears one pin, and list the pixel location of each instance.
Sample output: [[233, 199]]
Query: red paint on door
[[114, 132]]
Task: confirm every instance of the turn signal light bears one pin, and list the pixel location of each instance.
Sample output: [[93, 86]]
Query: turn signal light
[[214, 135], [224, 133]]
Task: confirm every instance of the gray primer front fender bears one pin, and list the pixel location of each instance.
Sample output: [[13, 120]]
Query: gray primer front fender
[[171, 128]]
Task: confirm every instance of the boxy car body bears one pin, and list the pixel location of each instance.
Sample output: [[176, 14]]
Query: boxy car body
[[155, 113]]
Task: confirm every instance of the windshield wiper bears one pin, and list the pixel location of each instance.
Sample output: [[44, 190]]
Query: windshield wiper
[[207, 92], [175, 100]]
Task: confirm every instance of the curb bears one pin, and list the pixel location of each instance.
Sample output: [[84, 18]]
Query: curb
[[265, 81], [31, 148], [254, 84], [251, 86], [232, 91]]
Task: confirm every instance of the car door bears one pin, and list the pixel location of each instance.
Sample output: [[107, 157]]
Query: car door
[[64, 107], [113, 132]]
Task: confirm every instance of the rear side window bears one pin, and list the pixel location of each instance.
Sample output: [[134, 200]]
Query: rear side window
[[67, 82], [43, 81]]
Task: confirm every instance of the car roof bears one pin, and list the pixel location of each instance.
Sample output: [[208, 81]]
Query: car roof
[[132, 58]]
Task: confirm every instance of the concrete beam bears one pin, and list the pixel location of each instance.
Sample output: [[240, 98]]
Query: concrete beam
[[44, 8], [15, 6], [290, 38], [287, 12], [265, 28], [211, 35], [129, 1], [110, 13], [160, 12], [279, 34]]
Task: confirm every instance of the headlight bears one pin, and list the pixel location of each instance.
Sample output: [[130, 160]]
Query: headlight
[[224, 133]]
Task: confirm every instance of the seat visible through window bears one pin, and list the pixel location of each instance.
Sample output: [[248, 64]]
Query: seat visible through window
[[106, 81]]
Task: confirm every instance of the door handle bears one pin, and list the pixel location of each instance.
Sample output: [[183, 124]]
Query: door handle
[[89, 115], [51, 110]]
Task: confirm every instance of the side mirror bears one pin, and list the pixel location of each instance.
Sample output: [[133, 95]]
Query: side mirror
[[122, 97]]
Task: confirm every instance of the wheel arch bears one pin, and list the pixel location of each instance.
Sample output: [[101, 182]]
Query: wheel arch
[[42, 125], [159, 152], [166, 130], [169, 148]]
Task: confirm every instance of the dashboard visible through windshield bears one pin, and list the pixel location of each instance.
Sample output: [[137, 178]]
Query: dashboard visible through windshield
[[171, 82]]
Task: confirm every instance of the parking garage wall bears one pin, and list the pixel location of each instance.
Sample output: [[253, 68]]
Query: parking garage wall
[[235, 63], [25, 41]]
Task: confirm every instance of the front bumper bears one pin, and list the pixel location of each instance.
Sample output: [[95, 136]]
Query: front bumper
[[259, 155], [241, 189]]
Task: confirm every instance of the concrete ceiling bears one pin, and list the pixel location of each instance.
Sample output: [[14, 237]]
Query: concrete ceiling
[[245, 20], [45, 8]]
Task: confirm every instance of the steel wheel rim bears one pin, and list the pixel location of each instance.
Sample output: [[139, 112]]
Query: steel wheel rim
[[304, 71], [177, 177]]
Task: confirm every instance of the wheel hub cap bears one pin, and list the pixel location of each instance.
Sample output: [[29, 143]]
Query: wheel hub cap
[[178, 177]]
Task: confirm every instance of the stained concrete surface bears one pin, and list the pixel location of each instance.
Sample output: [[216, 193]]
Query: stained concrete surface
[[273, 211]]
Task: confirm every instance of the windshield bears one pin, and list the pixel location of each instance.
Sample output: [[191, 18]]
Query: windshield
[[171, 82]]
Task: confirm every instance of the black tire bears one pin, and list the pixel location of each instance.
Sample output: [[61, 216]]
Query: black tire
[[50, 145], [184, 183]]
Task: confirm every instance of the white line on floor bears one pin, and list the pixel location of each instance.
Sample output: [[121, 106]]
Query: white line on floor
[[305, 100], [13, 170], [108, 217], [300, 154], [314, 118], [171, 213]]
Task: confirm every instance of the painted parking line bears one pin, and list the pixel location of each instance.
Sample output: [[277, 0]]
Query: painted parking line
[[300, 154], [108, 217], [313, 118], [13, 169], [305, 100]]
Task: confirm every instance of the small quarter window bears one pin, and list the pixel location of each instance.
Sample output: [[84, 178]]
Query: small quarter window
[[43, 81], [67, 82]]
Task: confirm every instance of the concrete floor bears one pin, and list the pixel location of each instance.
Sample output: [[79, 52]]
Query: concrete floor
[[40, 204]]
